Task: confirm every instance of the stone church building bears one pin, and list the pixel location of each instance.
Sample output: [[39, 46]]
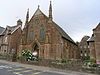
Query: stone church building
[[42, 36]]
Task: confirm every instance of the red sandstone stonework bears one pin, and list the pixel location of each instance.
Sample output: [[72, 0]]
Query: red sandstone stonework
[[94, 44], [43, 35]]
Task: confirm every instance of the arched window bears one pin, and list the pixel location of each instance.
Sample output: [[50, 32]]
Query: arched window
[[30, 35], [42, 33]]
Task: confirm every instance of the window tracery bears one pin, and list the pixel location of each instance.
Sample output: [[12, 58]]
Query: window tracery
[[42, 33]]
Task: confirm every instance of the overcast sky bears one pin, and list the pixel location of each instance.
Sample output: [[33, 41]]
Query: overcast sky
[[76, 17]]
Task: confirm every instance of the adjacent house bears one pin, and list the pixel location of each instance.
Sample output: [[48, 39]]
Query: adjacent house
[[84, 49], [94, 44], [11, 36], [1, 30]]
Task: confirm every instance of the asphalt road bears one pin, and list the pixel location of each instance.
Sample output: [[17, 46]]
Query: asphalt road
[[8, 69], [14, 68]]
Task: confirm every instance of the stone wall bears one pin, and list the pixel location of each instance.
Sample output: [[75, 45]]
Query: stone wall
[[97, 44]]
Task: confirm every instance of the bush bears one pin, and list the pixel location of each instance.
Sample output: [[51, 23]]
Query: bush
[[90, 63], [63, 61], [27, 54]]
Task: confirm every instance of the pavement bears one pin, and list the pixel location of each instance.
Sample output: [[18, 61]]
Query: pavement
[[16, 68]]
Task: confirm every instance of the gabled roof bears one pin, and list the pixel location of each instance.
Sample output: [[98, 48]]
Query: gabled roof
[[38, 12], [11, 28], [85, 38], [97, 27], [91, 39], [19, 26], [1, 29], [60, 30]]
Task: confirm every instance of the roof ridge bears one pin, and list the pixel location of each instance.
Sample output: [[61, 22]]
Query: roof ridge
[[19, 26], [35, 13]]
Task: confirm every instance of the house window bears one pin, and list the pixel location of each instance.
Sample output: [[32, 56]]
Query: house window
[[81, 47], [88, 46], [81, 54], [5, 39], [85, 46], [85, 54], [5, 51]]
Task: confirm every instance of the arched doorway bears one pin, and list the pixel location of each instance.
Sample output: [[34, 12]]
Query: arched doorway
[[35, 50]]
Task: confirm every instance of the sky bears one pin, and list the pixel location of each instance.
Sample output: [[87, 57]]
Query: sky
[[76, 17]]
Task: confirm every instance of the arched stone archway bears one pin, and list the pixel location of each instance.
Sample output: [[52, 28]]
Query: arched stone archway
[[35, 50]]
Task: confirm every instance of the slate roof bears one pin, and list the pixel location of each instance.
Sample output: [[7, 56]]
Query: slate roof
[[91, 39], [63, 33], [11, 28], [1, 29]]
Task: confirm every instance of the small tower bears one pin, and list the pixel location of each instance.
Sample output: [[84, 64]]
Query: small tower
[[26, 27], [27, 17], [19, 22], [38, 6], [50, 12]]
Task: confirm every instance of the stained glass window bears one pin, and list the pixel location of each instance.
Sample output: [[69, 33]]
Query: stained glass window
[[42, 33], [31, 36]]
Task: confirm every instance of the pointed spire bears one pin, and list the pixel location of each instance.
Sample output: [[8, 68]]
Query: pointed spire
[[50, 11], [27, 16], [38, 6], [99, 23]]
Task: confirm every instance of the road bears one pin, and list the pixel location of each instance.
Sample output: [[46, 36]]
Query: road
[[6, 69], [18, 69]]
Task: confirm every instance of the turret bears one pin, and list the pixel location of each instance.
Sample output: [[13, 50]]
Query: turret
[[19, 22], [27, 17], [50, 12]]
